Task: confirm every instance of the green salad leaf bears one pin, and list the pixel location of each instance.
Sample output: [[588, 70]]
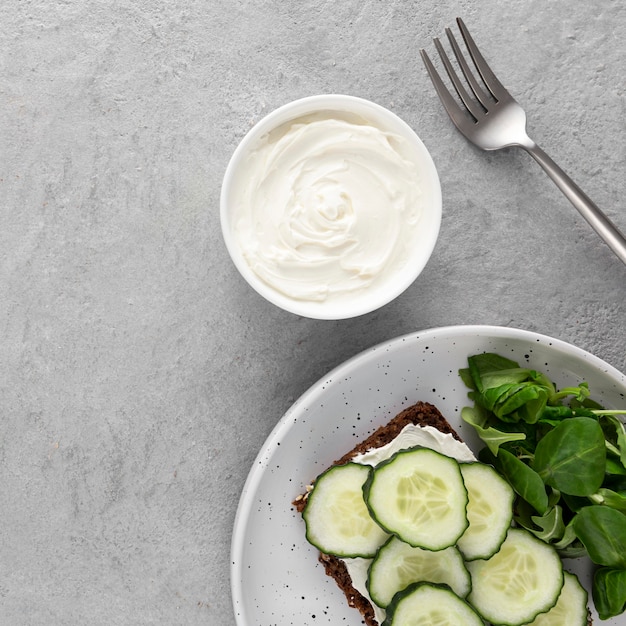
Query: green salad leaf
[[493, 437], [602, 531], [572, 456], [613, 499], [609, 592], [564, 456], [524, 479]]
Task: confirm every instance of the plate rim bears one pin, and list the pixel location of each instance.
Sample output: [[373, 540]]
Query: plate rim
[[287, 422]]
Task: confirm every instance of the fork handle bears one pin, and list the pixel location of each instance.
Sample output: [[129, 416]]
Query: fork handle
[[596, 218]]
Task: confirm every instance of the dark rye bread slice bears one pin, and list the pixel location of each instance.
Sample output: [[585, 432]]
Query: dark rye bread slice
[[422, 414]]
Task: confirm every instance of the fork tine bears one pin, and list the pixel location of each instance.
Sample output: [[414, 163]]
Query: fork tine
[[491, 80], [476, 87], [476, 111], [455, 112]]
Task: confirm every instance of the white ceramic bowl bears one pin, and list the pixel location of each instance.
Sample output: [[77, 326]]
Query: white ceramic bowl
[[409, 257]]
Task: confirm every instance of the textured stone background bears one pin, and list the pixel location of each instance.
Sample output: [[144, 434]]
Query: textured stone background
[[139, 374]]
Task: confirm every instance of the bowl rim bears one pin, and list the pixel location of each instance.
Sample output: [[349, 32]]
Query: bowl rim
[[298, 108]]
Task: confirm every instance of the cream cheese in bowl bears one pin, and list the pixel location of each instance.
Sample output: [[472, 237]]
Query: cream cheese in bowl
[[331, 207]]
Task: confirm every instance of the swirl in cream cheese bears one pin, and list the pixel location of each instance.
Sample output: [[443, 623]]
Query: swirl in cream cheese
[[327, 205]]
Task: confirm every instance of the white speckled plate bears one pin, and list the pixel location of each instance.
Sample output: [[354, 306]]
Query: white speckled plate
[[275, 577]]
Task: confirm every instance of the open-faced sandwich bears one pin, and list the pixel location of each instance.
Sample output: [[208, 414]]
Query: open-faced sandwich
[[414, 530]]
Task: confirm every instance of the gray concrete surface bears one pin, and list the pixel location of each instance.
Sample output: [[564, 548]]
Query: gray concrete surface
[[139, 374]]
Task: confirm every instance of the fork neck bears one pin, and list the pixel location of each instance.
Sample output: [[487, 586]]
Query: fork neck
[[585, 206]]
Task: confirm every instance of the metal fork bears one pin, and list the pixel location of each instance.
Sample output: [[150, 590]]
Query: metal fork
[[491, 119]]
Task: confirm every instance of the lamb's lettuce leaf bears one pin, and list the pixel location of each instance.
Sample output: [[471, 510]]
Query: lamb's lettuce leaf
[[565, 457]]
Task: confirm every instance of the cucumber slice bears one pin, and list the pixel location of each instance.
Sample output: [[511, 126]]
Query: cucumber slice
[[570, 609], [336, 517], [521, 580], [424, 603], [419, 496], [489, 511], [397, 565]]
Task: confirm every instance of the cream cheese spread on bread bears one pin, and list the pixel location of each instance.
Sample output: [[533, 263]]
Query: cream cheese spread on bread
[[413, 435]]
